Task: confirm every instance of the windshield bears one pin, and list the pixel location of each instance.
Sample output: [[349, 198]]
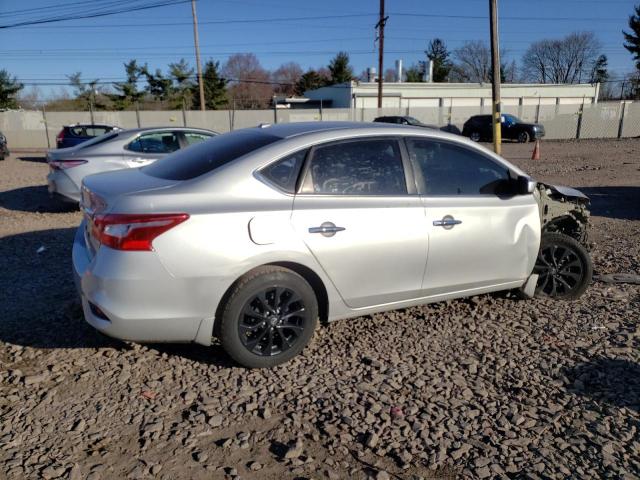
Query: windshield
[[413, 121], [206, 156]]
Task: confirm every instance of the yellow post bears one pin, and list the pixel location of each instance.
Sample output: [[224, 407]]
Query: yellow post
[[495, 61]]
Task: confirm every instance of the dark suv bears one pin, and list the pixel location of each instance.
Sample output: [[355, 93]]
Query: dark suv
[[72, 135], [414, 122], [479, 128]]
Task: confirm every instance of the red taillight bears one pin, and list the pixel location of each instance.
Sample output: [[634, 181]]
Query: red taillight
[[64, 164], [60, 136], [133, 232]]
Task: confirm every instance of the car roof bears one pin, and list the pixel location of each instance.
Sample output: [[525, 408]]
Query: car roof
[[288, 130], [175, 128]]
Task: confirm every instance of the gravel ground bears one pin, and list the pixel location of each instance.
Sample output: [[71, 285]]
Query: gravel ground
[[486, 387]]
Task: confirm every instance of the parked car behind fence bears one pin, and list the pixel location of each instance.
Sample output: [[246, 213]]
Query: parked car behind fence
[[480, 128], [72, 135]]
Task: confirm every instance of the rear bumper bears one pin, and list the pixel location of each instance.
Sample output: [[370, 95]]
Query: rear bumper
[[59, 183], [137, 299]]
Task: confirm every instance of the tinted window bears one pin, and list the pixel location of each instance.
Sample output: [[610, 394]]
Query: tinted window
[[157, 142], [447, 169], [284, 173], [96, 131], [207, 156], [77, 131], [367, 167], [194, 137]]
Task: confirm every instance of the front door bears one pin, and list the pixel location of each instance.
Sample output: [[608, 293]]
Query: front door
[[356, 216], [151, 146], [480, 234]]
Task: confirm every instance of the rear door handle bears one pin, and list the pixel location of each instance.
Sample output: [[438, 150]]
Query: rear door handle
[[447, 222], [327, 229]]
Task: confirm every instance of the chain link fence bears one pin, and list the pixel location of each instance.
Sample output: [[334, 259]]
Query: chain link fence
[[36, 129]]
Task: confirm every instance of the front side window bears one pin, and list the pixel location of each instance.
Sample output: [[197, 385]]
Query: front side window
[[363, 167], [156, 142], [451, 170]]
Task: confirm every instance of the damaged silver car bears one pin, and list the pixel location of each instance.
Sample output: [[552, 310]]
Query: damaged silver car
[[256, 235]]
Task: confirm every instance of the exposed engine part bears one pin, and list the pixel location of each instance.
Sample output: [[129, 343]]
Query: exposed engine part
[[563, 210]]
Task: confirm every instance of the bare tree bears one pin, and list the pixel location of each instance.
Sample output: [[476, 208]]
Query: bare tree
[[472, 62], [286, 76], [390, 75], [250, 85], [567, 60]]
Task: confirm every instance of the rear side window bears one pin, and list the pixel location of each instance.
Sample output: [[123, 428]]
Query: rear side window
[[363, 167], [77, 131], [156, 142], [207, 156], [447, 169], [284, 173], [194, 137], [96, 131]]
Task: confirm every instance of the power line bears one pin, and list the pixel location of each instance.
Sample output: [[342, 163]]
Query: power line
[[80, 16]]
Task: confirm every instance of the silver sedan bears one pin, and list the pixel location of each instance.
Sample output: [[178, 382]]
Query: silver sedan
[[256, 235], [114, 151]]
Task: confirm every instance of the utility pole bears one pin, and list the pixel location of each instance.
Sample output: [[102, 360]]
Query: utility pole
[[197, 44], [495, 61], [380, 27]]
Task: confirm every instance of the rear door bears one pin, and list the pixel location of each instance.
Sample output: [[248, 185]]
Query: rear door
[[363, 222], [480, 234], [150, 146]]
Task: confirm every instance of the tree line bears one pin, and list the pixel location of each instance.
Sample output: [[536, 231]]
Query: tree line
[[243, 83]]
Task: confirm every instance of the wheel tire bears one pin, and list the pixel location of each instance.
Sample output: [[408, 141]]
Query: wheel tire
[[256, 307], [564, 267], [523, 137], [475, 136]]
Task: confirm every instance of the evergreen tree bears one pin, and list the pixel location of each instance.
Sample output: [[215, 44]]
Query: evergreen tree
[[159, 86], [632, 38], [9, 87], [438, 53], [182, 76], [215, 87], [128, 90], [599, 72], [309, 81], [415, 73], [340, 69]]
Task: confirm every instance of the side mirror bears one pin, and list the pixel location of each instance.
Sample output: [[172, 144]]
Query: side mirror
[[525, 185]]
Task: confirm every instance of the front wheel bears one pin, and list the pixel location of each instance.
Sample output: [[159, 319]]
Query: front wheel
[[269, 317], [523, 137], [563, 266], [475, 136]]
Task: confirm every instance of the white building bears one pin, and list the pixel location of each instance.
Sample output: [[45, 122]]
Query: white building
[[415, 95]]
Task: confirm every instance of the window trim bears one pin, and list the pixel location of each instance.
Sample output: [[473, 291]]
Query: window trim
[[418, 174], [305, 181]]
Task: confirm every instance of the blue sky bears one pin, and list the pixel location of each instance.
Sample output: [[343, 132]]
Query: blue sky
[[98, 47]]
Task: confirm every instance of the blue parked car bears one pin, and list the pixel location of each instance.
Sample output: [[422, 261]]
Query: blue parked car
[[72, 135]]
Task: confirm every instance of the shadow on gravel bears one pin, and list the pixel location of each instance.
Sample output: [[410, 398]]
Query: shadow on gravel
[[616, 382], [34, 199], [213, 355], [38, 302], [42, 159], [614, 202]]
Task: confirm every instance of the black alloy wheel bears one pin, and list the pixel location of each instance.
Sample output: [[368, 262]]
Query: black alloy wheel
[[272, 321], [268, 317], [523, 137], [563, 266], [475, 136]]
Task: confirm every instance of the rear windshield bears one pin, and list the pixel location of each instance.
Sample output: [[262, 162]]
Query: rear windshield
[[206, 156], [96, 140]]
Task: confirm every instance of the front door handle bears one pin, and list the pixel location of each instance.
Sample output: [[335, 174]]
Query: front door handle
[[447, 222], [327, 229]]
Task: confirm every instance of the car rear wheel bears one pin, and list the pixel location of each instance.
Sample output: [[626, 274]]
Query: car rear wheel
[[523, 137], [269, 317], [563, 266], [475, 136]]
